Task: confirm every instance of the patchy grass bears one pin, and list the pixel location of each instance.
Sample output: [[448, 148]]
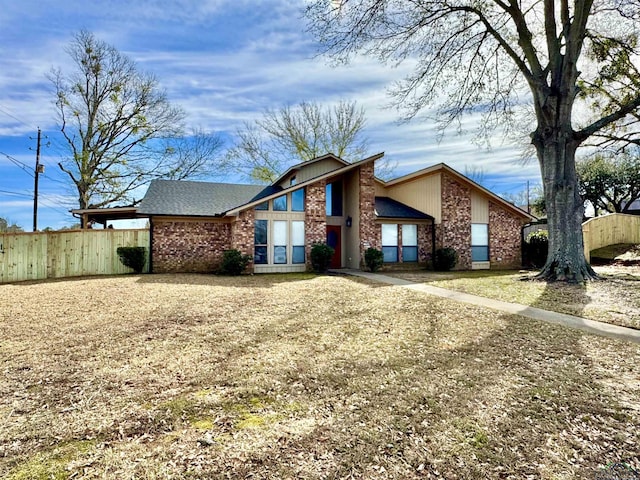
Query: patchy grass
[[615, 300], [274, 377]]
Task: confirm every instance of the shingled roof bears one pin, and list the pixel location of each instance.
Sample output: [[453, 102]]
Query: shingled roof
[[205, 199], [389, 208]]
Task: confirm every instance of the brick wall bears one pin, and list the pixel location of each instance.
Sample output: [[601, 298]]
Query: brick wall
[[315, 217], [242, 233], [455, 229], [370, 233], [186, 246], [504, 238], [425, 243]]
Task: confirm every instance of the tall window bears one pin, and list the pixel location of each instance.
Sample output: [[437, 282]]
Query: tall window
[[297, 242], [409, 243], [297, 200], [260, 242], [334, 199], [390, 242], [280, 241], [479, 242]]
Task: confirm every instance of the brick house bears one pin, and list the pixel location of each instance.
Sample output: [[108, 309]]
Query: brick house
[[342, 204]]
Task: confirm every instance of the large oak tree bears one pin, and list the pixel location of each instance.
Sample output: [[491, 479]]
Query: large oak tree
[[120, 128], [576, 61]]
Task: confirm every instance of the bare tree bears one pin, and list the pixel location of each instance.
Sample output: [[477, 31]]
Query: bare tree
[[574, 60], [289, 135], [120, 128]]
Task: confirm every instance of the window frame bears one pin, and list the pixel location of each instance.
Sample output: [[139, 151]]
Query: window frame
[[477, 247], [389, 248]]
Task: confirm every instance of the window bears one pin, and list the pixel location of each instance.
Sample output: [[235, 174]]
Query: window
[[334, 199], [479, 242], [263, 206], [390, 242], [280, 203], [297, 200], [409, 243], [292, 181], [297, 242], [260, 242], [280, 241]]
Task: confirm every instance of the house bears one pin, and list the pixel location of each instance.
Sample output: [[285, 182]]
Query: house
[[333, 201]]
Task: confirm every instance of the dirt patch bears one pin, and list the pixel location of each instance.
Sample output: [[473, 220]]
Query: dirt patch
[[298, 376]]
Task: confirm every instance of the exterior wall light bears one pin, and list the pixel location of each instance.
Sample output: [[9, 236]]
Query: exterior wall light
[[349, 221]]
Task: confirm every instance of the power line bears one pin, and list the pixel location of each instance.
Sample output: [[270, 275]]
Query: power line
[[18, 163], [17, 194], [3, 110]]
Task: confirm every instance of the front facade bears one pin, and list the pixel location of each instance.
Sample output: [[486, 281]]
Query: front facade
[[331, 201]]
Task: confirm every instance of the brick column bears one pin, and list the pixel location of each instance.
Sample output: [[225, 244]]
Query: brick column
[[370, 233], [315, 217]]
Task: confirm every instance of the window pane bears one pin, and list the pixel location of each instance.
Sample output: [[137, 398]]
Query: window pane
[[389, 235], [390, 254], [280, 204], [260, 255], [260, 235], [297, 200], [298, 255], [280, 232], [410, 235], [479, 254], [280, 254], [409, 254], [297, 233], [263, 206], [334, 199], [479, 234]]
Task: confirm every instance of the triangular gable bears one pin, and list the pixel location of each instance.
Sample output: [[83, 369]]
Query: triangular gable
[[338, 171], [312, 168], [442, 167]]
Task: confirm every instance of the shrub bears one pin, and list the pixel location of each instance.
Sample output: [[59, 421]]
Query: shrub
[[133, 257], [234, 262], [373, 259], [536, 248], [321, 255], [445, 259]]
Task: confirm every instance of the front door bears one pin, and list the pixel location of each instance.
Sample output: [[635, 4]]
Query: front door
[[334, 240]]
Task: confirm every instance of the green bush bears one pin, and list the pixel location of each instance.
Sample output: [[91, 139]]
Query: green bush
[[445, 259], [373, 259], [133, 257], [536, 249], [234, 262], [321, 255]]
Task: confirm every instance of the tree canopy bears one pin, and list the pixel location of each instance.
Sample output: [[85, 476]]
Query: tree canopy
[[120, 128], [572, 62], [610, 182], [7, 226], [289, 135]]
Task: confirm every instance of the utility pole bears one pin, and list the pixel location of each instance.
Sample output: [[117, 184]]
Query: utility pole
[[528, 199], [39, 169]]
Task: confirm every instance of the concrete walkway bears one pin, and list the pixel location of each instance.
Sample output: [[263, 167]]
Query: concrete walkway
[[591, 326]]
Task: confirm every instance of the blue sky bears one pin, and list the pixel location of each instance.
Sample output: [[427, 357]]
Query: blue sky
[[224, 62]]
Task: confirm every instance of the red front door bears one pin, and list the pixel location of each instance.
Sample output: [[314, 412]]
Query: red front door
[[334, 240]]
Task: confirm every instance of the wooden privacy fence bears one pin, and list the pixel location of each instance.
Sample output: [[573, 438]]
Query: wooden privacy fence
[[610, 230], [40, 255]]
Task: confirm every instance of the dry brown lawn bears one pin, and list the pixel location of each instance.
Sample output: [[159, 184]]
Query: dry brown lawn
[[300, 377], [615, 299]]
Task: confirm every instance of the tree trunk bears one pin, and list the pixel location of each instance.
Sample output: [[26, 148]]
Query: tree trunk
[[565, 208]]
